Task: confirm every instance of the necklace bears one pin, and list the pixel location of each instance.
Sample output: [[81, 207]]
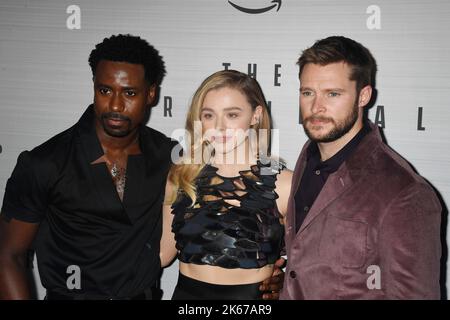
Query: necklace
[[120, 177], [114, 171]]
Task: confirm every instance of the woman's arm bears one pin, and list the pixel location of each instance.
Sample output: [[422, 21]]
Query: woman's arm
[[272, 286], [167, 245], [283, 189]]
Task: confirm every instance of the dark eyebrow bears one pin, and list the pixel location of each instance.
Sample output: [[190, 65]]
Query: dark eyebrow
[[335, 89], [328, 89], [101, 85], [97, 84]]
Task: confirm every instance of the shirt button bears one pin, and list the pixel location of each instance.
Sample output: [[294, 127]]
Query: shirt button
[[292, 274], [306, 208], [317, 172]]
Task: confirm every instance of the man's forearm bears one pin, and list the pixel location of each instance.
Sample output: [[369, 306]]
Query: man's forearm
[[13, 279]]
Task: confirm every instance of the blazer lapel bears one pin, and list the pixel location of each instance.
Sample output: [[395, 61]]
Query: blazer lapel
[[337, 183], [298, 173], [360, 164]]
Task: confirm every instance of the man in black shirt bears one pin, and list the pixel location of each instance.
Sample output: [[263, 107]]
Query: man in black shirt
[[89, 199]]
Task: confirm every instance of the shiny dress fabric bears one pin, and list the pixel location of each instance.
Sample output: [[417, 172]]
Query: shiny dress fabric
[[234, 222]]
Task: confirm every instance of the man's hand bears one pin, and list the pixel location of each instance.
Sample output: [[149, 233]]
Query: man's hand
[[273, 285]]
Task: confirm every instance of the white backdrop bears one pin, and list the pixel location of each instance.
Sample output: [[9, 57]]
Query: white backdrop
[[45, 80]]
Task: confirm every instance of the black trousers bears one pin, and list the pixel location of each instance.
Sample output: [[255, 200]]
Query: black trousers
[[191, 289]]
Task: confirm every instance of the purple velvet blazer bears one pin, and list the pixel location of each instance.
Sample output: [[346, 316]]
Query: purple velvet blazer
[[372, 233]]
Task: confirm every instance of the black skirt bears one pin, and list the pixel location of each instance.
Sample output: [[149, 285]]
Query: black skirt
[[191, 289]]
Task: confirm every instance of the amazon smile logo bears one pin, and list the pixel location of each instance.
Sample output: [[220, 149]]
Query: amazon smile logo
[[276, 3]]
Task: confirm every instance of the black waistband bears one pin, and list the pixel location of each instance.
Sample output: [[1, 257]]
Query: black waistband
[[189, 288], [152, 293]]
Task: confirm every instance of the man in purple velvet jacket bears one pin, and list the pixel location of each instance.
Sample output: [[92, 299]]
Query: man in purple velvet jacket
[[361, 223]]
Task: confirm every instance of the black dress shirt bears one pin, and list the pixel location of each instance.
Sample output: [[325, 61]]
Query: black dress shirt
[[316, 174], [84, 226]]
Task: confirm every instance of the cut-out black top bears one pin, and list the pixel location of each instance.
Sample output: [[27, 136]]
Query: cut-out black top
[[234, 222]]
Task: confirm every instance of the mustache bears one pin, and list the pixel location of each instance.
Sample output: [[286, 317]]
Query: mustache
[[115, 116], [320, 118]]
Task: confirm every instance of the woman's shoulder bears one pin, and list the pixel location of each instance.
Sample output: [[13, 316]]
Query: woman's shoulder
[[272, 165], [286, 174], [284, 179]]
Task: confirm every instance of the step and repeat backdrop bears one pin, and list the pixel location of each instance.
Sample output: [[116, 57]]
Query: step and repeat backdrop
[[45, 80]]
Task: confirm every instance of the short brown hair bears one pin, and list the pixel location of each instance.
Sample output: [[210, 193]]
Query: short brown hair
[[336, 49]]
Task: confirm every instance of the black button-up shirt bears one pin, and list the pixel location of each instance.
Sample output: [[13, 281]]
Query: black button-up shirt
[[89, 242], [316, 174]]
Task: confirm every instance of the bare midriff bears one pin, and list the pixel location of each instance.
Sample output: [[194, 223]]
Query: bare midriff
[[219, 275]]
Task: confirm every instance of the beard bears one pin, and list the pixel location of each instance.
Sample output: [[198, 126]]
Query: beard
[[117, 131], [340, 128]]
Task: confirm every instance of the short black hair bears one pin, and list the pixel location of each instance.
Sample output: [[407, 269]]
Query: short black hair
[[131, 49]]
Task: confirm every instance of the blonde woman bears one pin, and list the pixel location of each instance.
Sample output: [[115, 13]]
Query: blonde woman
[[225, 202]]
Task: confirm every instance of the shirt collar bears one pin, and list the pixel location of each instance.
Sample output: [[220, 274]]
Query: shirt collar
[[90, 141], [332, 164]]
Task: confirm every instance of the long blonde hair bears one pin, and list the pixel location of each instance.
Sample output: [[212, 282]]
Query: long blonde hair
[[182, 175]]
